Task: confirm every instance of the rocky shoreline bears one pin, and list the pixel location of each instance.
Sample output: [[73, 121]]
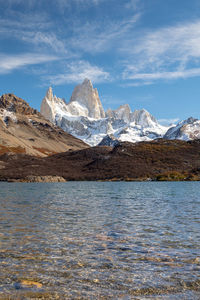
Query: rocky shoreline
[[39, 179]]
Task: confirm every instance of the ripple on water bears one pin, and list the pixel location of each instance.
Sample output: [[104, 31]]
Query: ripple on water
[[92, 240]]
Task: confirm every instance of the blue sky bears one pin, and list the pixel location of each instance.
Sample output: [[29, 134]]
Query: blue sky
[[142, 52]]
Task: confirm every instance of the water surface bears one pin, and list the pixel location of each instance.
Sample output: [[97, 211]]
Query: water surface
[[100, 240]]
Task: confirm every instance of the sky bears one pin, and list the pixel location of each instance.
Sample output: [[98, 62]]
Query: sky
[[142, 52]]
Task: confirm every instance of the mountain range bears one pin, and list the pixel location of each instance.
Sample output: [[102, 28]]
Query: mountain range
[[84, 117]]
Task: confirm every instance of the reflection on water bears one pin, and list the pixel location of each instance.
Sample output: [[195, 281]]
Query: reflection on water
[[100, 240]]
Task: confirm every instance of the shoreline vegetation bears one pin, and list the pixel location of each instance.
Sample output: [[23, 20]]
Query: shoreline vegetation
[[158, 160], [57, 179]]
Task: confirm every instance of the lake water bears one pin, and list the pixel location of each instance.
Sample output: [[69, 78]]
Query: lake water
[[100, 240]]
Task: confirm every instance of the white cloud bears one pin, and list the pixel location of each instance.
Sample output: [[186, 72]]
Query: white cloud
[[163, 75], [77, 72], [183, 41], [37, 34], [63, 2], [9, 63], [49, 40], [168, 53], [134, 83], [18, 22], [168, 122]]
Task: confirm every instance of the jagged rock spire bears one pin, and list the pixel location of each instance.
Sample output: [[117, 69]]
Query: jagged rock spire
[[49, 93], [87, 82], [87, 96]]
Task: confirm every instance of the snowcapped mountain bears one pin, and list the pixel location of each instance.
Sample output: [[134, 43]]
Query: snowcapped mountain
[[185, 130], [84, 102], [84, 117]]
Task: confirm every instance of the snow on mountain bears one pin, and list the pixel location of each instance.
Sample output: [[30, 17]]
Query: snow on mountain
[[5, 115], [137, 133], [121, 113], [143, 118], [84, 117], [185, 130]]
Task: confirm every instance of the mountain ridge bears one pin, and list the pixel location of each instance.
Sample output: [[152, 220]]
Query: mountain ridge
[[24, 130]]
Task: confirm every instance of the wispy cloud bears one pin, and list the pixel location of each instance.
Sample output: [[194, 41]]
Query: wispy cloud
[[48, 40], [74, 40], [132, 4], [133, 83], [32, 28], [77, 72], [168, 53], [168, 122], [17, 23], [163, 75], [9, 63], [62, 4], [100, 37], [65, 3]]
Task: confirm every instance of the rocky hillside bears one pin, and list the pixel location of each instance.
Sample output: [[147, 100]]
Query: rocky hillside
[[24, 130], [156, 160]]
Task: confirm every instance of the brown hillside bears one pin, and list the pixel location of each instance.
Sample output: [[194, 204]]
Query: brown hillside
[[24, 130], [156, 160]]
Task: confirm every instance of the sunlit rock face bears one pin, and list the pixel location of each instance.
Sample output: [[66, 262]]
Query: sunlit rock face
[[47, 106], [85, 101]]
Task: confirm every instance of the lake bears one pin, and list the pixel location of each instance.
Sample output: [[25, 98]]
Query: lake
[[100, 240]]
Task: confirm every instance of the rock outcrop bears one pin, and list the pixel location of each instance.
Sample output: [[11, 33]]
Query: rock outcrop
[[14, 104], [109, 140], [42, 179]]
